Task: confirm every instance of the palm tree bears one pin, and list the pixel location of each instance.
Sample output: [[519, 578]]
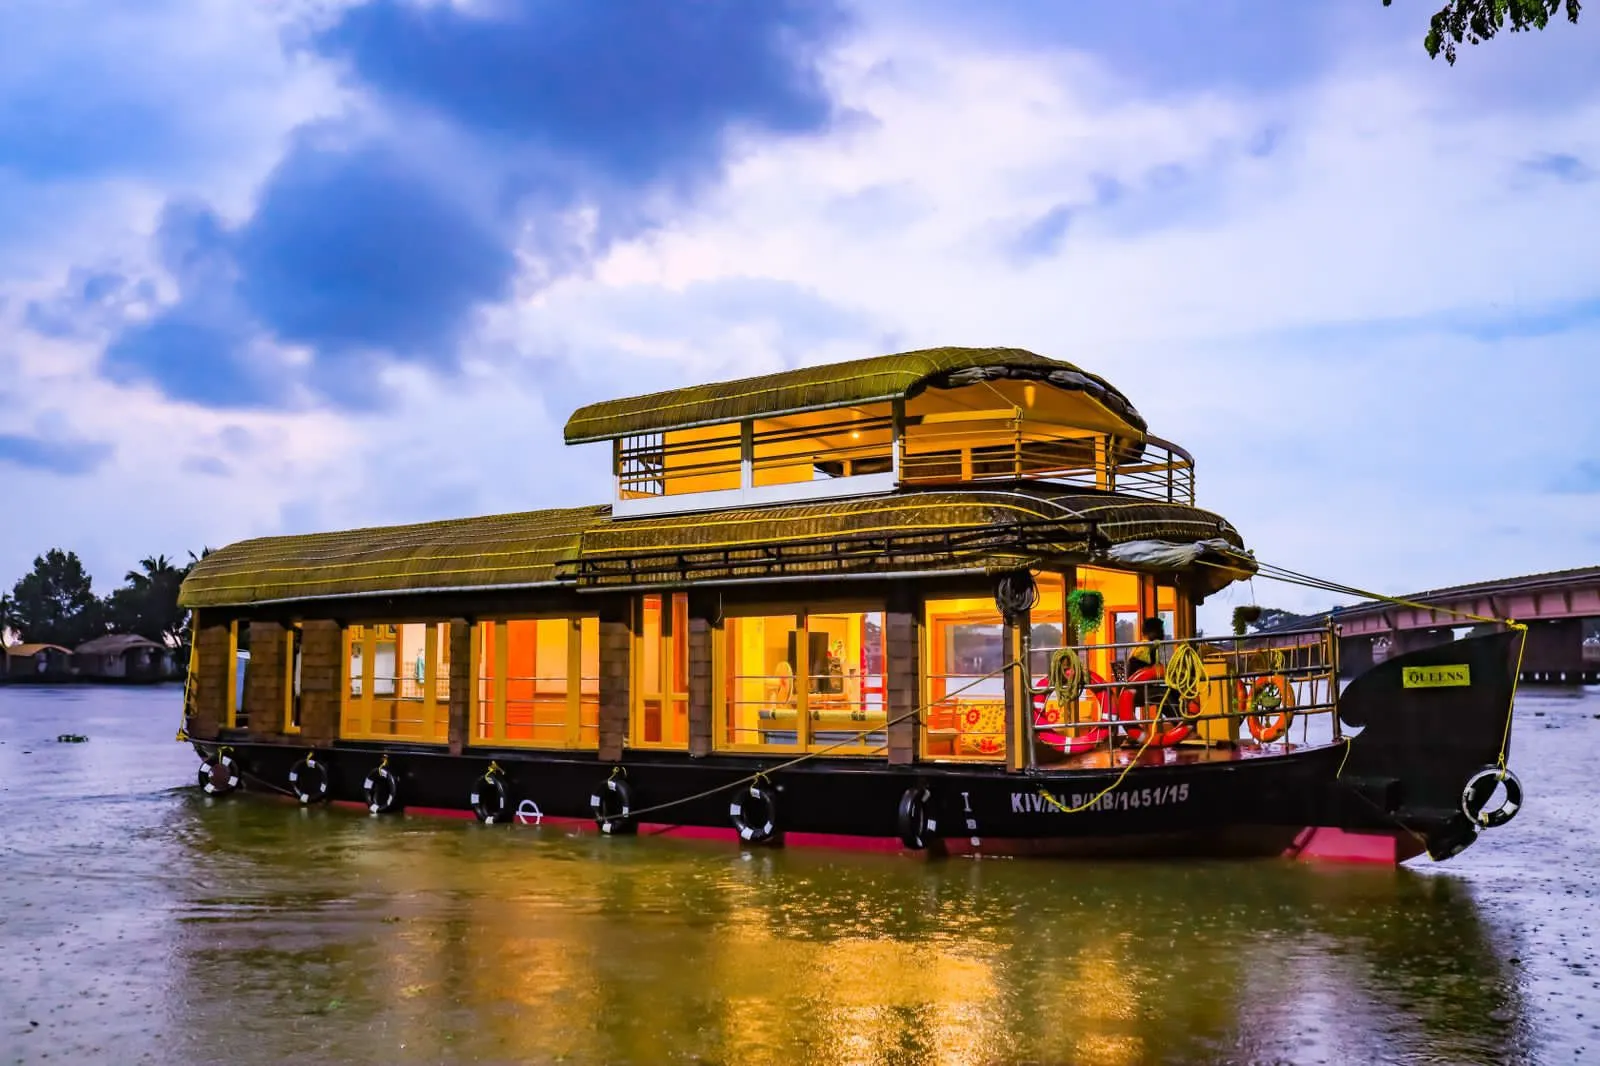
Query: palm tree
[[155, 571]]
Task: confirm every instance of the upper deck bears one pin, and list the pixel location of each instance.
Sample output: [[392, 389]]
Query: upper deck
[[938, 417]]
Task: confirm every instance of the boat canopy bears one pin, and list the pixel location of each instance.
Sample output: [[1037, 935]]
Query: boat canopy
[[1093, 402], [496, 552], [981, 529]]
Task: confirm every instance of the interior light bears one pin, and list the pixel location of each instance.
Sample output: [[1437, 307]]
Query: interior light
[[855, 434], [1027, 394]]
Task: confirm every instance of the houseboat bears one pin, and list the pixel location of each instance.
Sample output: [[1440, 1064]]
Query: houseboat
[[942, 601]]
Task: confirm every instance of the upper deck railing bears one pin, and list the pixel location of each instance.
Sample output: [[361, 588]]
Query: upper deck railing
[[1019, 451], [848, 452]]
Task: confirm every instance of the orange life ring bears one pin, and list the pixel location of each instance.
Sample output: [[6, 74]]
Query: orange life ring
[[1043, 714], [1163, 737], [1257, 716]]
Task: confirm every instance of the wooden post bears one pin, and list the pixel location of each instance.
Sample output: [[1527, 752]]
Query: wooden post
[[264, 697], [903, 681], [322, 681], [616, 656], [213, 675], [699, 686], [461, 685], [1018, 700]]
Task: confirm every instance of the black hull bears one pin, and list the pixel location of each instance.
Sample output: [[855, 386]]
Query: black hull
[[1245, 807], [1388, 794]]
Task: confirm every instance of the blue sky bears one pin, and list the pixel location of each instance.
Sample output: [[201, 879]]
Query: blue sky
[[318, 264]]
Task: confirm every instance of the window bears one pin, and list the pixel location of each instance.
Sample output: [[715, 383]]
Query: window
[[845, 671], [660, 716], [1167, 611], [821, 445], [291, 679], [538, 683], [238, 716], [399, 682], [965, 656], [762, 708], [1049, 623], [703, 459], [810, 681], [1120, 625]]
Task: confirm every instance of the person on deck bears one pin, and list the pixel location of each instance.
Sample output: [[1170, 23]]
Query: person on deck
[[1153, 632], [1148, 694]]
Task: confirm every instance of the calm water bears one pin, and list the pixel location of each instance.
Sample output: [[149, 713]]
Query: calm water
[[141, 922]]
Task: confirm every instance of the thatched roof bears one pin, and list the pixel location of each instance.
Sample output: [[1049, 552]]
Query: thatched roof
[[998, 528], [584, 547], [25, 650], [117, 644], [884, 377], [502, 551]]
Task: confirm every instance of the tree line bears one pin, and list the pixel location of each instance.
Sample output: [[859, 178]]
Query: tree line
[[55, 602]]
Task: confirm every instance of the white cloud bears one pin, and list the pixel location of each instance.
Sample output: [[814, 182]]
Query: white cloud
[[1239, 297]]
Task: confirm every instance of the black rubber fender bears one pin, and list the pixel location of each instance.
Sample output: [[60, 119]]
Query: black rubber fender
[[491, 802], [612, 804], [754, 812], [382, 790], [219, 774], [308, 779], [1480, 786], [916, 820]]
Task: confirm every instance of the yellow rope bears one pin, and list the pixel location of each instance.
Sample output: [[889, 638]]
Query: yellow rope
[[1516, 678], [1512, 624], [1184, 675], [188, 681], [763, 775], [1064, 678]]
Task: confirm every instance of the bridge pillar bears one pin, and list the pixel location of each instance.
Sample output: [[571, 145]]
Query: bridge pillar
[[1355, 656], [1555, 651]]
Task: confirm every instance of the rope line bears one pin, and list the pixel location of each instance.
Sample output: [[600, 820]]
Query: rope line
[[1190, 670], [854, 738]]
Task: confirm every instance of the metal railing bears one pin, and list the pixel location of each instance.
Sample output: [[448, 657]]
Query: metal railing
[[1020, 450], [944, 449], [1261, 689]]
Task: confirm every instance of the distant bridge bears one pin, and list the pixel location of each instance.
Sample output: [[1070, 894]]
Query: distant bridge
[[1561, 609]]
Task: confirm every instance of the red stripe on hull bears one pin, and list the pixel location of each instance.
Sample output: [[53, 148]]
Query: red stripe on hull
[[1309, 844]]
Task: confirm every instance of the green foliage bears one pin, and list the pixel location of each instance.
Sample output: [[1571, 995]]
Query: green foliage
[[1475, 21], [1244, 616], [1085, 609], [1271, 618], [55, 603], [147, 604]]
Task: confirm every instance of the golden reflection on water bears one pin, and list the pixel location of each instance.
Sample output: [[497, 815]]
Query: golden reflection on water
[[453, 941], [142, 924]]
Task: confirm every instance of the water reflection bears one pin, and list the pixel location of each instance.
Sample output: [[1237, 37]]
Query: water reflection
[[143, 923], [427, 940]]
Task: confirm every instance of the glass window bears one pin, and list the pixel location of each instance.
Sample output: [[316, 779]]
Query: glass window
[[291, 679], [538, 683], [966, 687], [661, 703], [355, 656], [1120, 624], [762, 699], [1049, 620], [845, 694], [1167, 610], [394, 672], [239, 655]]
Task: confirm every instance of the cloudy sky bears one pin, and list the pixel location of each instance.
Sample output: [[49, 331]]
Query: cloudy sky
[[308, 264]]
